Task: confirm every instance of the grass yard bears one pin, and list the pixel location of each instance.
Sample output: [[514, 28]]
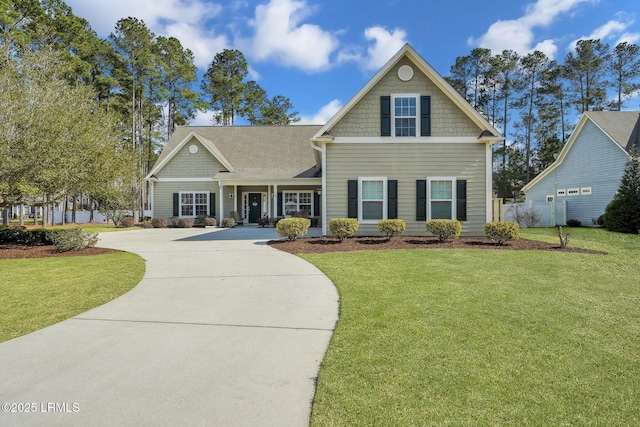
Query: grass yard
[[39, 292], [493, 337]]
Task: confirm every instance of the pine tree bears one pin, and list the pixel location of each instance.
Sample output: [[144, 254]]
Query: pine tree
[[623, 212]]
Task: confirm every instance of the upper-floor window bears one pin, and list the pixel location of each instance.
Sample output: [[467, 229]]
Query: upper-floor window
[[405, 115]]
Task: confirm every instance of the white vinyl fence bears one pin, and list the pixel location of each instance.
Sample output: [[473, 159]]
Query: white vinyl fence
[[532, 214]]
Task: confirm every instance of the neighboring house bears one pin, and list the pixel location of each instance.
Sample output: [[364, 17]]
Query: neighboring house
[[587, 172], [407, 146]]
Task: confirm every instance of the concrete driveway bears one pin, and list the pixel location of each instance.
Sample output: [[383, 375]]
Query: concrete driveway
[[222, 331]]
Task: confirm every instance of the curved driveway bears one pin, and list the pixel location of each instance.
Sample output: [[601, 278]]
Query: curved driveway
[[222, 330]]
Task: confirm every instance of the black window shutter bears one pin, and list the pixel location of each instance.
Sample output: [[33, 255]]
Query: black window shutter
[[279, 204], [352, 196], [421, 200], [461, 199], [385, 116], [392, 199], [212, 204], [425, 116], [176, 204], [316, 204]]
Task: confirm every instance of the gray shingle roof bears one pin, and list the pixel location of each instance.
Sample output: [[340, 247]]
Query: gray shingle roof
[[622, 126], [256, 152]]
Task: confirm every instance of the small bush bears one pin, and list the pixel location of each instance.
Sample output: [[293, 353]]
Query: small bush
[[600, 220], [159, 222], [210, 221], [127, 222], [204, 221], [22, 235], [444, 229], [392, 227], [573, 223], [228, 222], [343, 227], [73, 239], [293, 227], [501, 232], [185, 223], [173, 221], [146, 224]]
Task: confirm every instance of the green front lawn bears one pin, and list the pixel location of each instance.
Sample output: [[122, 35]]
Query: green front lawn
[[473, 337], [35, 293]]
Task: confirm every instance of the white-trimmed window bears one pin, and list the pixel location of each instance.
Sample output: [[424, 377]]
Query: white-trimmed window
[[194, 203], [405, 115], [372, 199], [585, 191], [296, 201], [441, 197], [573, 192], [561, 193], [549, 198]]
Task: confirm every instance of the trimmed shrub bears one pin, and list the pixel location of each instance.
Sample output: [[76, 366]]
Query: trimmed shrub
[[127, 222], [204, 221], [501, 232], [228, 222], [210, 221], [146, 224], [185, 223], [392, 227], [444, 229], [22, 235], [73, 239], [293, 228], [173, 221], [600, 220], [573, 223], [343, 227], [264, 221], [159, 222]]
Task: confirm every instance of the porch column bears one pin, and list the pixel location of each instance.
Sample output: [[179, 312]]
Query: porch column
[[275, 200], [221, 214]]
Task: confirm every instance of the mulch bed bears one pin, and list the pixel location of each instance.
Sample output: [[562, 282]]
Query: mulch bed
[[323, 245], [14, 251]]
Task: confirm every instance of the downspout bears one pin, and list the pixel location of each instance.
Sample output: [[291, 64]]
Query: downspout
[[323, 157]]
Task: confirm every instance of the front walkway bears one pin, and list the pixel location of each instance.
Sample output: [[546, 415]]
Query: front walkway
[[222, 330]]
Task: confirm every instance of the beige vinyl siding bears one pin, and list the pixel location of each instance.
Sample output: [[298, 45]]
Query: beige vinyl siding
[[447, 119], [163, 195], [408, 163], [186, 165]]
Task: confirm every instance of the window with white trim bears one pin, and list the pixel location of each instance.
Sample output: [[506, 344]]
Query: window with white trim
[[296, 201], [194, 203], [573, 192], [561, 193], [441, 198], [405, 115], [372, 198], [549, 198], [585, 191]]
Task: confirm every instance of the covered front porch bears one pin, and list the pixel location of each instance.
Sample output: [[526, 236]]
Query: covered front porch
[[273, 200]]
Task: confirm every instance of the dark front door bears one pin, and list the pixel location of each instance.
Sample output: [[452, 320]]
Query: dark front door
[[255, 207]]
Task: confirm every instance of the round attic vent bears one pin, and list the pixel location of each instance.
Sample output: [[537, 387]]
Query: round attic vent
[[405, 73], [193, 148]]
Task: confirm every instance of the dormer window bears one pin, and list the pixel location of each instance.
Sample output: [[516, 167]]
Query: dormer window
[[405, 115]]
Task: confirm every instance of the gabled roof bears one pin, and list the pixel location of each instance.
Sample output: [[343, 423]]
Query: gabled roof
[[488, 132], [620, 127], [250, 152]]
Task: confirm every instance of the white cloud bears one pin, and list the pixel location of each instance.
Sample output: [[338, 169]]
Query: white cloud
[[518, 34], [629, 38], [281, 36], [323, 115], [611, 29], [384, 45]]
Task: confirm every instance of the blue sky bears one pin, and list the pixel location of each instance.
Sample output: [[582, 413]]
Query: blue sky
[[319, 53]]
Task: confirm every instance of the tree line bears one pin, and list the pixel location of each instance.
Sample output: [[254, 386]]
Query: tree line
[[137, 85], [532, 99]]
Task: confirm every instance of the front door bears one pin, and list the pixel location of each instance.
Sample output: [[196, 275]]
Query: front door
[[255, 207]]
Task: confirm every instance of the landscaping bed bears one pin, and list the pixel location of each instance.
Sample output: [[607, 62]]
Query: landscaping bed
[[15, 251], [327, 244]]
